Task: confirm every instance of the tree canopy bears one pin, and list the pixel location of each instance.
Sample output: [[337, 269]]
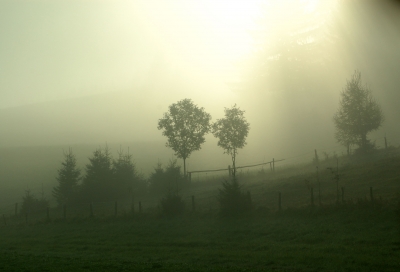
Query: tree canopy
[[185, 125], [358, 114], [231, 132]]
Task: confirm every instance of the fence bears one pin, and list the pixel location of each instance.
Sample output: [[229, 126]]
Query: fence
[[273, 190], [264, 200], [229, 169]]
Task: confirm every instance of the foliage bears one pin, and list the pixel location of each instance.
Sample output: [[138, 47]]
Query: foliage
[[166, 181], [172, 205], [357, 115], [232, 200], [185, 126], [126, 178], [98, 181], [68, 178], [31, 204], [231, 132]]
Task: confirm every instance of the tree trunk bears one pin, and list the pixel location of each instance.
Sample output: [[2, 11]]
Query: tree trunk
[[184, 168], [234, 163], [364, 141]]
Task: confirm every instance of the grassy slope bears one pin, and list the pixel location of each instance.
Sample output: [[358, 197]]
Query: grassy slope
[[361, 239], [352, 237]]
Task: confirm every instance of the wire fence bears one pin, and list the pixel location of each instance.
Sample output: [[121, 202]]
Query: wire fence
[[264, 185]]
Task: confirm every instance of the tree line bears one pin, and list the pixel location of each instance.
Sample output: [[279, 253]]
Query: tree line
[[185, 126]]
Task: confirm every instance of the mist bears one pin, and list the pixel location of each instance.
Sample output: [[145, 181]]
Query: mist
[[91, 73]]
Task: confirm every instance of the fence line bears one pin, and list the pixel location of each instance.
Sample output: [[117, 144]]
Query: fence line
[[152, 203]]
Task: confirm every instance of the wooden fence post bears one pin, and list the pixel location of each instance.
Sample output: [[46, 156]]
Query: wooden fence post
[[64, 211], [133, 205], [385, 143], [116, 208], [91, 210], [193, 204], [273, 165], [280, 201]]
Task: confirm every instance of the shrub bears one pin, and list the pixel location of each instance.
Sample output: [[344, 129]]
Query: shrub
[[172, 205], [232, 200], [31, 204]]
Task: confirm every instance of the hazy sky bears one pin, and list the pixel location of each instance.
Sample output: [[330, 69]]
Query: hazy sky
[[60, 49], [283, 62]]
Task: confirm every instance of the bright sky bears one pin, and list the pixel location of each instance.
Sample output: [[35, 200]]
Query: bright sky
[[53, 50]]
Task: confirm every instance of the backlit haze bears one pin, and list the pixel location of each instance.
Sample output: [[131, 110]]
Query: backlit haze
[[76, 73]]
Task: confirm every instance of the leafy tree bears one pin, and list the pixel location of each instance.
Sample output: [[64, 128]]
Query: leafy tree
[[231, 132], [98, 181], [357, 115], [68, 178], [184, 125]]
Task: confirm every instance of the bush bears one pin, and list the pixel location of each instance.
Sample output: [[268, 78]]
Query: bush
[[231, 199], [167, 180], [172, 205], [31, 204]]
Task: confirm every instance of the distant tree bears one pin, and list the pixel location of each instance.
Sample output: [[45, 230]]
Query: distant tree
[[185, 125], [126, 178], [166, 181], [232, 200], [358, 114], [231, 132], [98, 182], [68, 178], [31, 204]]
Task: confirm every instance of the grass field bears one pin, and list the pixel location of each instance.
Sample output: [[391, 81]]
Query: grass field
[[357, 235], [334, 238]]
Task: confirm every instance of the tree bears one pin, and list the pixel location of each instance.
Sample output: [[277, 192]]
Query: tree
[[68, 178], [126, 179], [231, 132], [185, 125], [168, 180], [98, 181], [358, 114], [31, 204]]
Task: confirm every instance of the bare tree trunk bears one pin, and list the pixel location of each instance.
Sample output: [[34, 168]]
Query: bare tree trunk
[[364, 141], [234, 162], [184, 168]]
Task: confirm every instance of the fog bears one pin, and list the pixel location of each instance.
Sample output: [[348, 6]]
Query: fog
[[90, 73]]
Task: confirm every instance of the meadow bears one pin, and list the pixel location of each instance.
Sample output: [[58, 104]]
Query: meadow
[[356, 234]]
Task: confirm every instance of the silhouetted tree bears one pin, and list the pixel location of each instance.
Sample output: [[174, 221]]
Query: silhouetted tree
[[126, 178], [232, 200], [185, 125], [231, 132], [166, 181], [31, 204], [98, 182], [358, 114], [68, 178]]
